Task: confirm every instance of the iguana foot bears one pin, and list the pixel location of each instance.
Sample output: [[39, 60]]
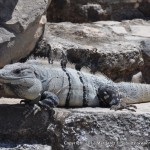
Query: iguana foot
[[34, 110], [109, 96], [48, 101], [47, 107], [122, 106]]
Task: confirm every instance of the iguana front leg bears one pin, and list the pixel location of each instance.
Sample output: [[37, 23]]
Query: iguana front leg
[[109, 96], [48, 101]]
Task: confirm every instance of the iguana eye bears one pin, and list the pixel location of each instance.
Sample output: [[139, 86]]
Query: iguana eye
[[17, 71]]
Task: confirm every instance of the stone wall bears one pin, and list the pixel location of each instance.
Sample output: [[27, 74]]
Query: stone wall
[[21, 26], [94, 10]]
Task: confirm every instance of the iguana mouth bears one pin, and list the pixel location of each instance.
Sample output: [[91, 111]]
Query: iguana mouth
[[4, 79]]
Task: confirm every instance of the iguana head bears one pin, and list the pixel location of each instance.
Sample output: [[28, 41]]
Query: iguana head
[[20, 80], [14, 72]]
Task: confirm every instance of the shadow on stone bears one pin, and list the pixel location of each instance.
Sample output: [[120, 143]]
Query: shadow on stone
[[6, 9]]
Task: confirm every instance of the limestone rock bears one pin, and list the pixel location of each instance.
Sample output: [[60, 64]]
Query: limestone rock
[[137, 78], [111, 47], [95, 10], [20, 28], [9, 146], [75, 129], [142, 31]]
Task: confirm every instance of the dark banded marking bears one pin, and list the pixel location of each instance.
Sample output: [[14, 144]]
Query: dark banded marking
[[69, 90], [85, 102]]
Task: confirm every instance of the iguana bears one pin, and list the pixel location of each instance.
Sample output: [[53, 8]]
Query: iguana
[[66, 87]]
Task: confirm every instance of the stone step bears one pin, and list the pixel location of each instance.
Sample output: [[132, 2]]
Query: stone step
[[76, 129]]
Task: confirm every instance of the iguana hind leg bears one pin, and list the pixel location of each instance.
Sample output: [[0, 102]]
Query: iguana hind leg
[[109, 96]]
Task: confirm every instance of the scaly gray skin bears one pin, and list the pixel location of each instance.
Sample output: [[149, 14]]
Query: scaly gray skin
[[36, 83]]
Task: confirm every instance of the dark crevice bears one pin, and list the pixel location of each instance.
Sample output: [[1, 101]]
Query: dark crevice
[[90, 11]]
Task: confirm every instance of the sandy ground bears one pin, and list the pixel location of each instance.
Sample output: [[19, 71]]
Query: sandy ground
[[141, 108]]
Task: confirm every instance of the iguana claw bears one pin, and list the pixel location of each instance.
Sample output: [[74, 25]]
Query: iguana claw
[[124, 106], [35, 109], [26, 102]]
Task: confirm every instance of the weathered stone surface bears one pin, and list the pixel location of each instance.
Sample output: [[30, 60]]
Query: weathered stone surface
[[146, 55], [94, 10], [8, 146], [111, 47], [143, 31], [20, 28], [75, 129]]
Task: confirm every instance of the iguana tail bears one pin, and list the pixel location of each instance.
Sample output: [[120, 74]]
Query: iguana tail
[[135, 92]]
